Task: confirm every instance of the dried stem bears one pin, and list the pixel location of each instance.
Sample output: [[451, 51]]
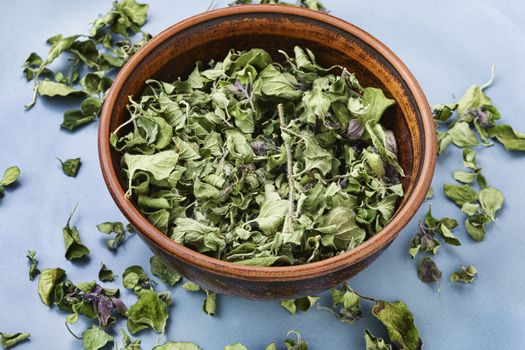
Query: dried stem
[[289, 163], [491, 80], [364, 297], [70, 331]]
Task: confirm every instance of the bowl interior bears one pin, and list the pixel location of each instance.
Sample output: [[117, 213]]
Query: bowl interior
[[176, 57], [174, 52]]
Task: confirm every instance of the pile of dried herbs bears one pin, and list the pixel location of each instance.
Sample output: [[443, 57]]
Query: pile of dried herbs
[[262, 163], [472, 124], [91, 60]]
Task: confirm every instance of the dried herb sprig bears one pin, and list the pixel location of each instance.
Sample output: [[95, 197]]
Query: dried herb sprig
[[395, 316]]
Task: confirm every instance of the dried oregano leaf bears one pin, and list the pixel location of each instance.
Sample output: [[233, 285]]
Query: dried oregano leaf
[[74, 247], [11, 340], [466, 274], [70, 166], [428, 271], [399, 323]]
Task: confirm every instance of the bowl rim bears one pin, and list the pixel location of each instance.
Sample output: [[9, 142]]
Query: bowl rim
[[277, 273]]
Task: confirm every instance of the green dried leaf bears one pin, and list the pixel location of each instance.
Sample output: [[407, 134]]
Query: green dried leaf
[[128, 343], [210, 303], [491, 200], [105, 274], [373, 343], [464, 177], [377, 104], [74, 247], [136, 279], [346, 304], [118, 228], [11, 175], [466, 274], [11, 340], [148, 312], [136, 12], [295, 344], [74, 119], [272, 212], [166, 274], [315, 5], [443, 112], [49, 278], [70, 166], [302, 304], [430, 193], [511, 139], [399, 323], [51, 89], [95, 338], [462, 135], [191, 287], [460, 194], [475, 230], [159, 165], [33, 269], [428, 271]]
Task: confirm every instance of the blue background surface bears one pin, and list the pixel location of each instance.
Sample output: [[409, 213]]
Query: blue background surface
[[447, 44]]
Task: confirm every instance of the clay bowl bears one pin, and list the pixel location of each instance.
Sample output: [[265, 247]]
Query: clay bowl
[[173, 53]]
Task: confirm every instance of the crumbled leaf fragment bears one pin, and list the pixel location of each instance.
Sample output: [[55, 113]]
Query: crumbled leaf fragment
[[33, 269], [74, 248], [191, 287], [11, 174], [466, 274], [373, 343], [399, 323], [70, 166], [430, 193], [105, 274], [11, 340], [302, 304], [346, 304], [136, 279], [209, 305], [49, 278], [167, 274], [511, 139], [95, 338], [428, 271], [297, 343], [128, 343], [148, 312], [119, 229]]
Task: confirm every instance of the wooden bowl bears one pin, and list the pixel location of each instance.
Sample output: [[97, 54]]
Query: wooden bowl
[[173, 53]]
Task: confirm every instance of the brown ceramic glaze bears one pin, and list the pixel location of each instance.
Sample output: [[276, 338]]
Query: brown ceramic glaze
[[210, 35]]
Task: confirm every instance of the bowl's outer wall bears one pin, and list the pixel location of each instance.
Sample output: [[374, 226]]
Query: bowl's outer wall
[[261, 290], [212, 38]]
